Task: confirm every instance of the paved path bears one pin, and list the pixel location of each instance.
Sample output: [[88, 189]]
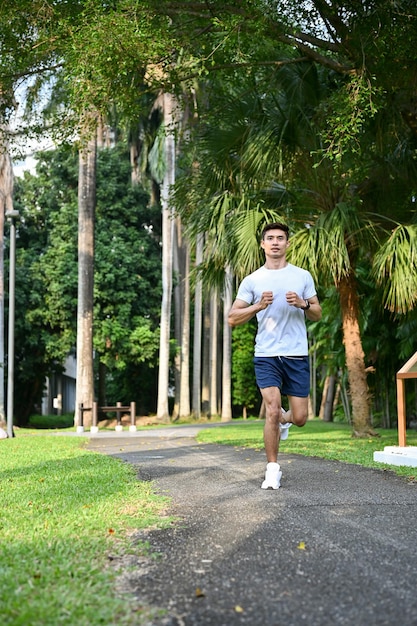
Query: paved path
[[335, 545]]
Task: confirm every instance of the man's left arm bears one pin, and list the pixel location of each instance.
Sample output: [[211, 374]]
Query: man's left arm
[[313, 309], [311, 306]]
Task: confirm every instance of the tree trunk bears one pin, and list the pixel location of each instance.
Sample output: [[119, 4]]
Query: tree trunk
[[323, 397], [311, 413], [313, 374], [214, 304], [178, 271], [86, 214], [328, 405], [167, 241], [327, 401], [6, 204], [185, 409], [198, 320], [102, 373], [205, 385], [227, 349], [355, 360], [336, 397]]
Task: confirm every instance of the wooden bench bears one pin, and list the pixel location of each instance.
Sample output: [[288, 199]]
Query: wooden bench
[[119, 409]]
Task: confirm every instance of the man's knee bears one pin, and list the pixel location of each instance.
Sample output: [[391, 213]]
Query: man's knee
[[299, 416], [300, 420]]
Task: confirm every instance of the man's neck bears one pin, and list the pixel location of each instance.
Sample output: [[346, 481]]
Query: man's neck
[[276, 264]]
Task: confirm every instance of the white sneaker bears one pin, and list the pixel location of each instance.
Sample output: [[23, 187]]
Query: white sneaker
[[272, 476], [283, 428]]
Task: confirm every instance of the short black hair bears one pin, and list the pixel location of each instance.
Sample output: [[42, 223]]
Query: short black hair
[[276, 226]]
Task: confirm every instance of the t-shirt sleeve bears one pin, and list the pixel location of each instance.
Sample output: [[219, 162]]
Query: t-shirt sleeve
[[310, 289], [245, 291]]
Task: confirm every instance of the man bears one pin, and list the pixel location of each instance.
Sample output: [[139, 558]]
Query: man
[[281, 296]]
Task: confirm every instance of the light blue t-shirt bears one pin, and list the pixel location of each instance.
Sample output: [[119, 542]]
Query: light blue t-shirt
[[281, 327]]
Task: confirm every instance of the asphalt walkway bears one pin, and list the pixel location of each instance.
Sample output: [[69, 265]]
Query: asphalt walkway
[[335, 545]]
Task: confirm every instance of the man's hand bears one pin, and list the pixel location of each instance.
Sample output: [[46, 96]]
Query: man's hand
[[294, 299], [267, 298]]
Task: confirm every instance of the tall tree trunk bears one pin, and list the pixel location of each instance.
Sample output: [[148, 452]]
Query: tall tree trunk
[[6, 204], [214, 306], [86, 216], [198, 321], [355, 359], [184, 410], [324, 397], [101, 387], [178, 271], [167, 240], [312, 352], [205, 385], [329, 403], [227, 348]]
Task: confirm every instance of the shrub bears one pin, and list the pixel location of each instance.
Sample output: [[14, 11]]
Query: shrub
[[51, 421]]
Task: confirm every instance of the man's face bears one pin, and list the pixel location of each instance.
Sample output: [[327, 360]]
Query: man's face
[[275, 243]]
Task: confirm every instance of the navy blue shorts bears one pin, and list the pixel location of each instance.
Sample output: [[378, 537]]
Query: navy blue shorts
[[290, 374]]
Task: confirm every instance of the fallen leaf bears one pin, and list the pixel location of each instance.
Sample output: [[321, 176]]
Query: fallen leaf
[[111, 531], [238, 609], [199, 593], [301, 545]]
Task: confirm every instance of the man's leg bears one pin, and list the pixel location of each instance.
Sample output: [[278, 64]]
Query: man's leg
[[298, 411], [272, 399]]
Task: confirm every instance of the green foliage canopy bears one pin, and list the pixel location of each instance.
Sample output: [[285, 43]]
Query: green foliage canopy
[[127, 271]]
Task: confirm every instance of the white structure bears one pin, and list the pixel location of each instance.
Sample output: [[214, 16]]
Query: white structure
[[396, 455], [401, 454], [59, 396]]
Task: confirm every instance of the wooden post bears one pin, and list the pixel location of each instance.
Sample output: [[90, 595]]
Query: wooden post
[[81, 418], [132, 427], [119, 414], [409, 370], [401, 412], [95, 413]]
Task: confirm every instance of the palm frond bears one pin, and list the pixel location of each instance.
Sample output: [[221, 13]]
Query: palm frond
[[247, 227], [395, 268]]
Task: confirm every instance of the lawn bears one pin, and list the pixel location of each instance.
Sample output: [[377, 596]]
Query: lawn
[[65, 513], [316, 438]]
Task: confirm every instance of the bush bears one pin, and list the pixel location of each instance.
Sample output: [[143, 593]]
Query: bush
[[51, 421]]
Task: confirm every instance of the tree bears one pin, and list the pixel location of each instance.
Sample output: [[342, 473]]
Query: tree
[[167, 243], [227, 348], [6, 204], [126, 279], [333, 196], [197, 337], [86, 221], [365, 53], [245, 392]]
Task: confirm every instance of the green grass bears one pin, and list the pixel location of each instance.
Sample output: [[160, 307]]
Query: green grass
[[63, 511], [316, 438]]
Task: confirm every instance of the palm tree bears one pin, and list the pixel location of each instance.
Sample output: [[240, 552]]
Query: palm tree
[[6, 204], [328, 248], [167, 259], [197, 336], [86, 221], [272, 150], [227, 348]]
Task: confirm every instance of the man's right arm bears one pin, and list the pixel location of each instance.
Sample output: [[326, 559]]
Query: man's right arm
[[242, 312]]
